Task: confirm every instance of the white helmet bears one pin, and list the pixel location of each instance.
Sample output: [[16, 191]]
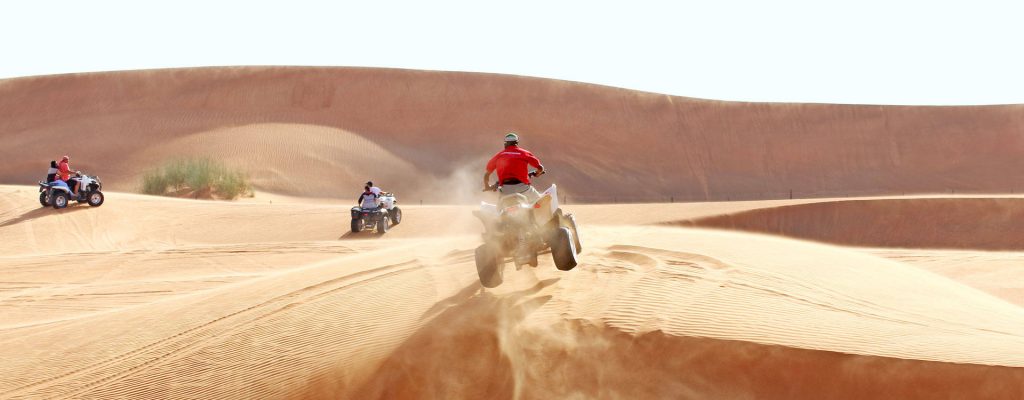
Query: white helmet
[[511, 138]]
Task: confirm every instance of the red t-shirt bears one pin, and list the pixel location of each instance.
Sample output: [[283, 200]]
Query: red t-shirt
[[64, 170], [512, 163]]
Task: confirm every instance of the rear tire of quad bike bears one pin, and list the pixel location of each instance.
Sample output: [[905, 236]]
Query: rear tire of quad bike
[[382, 225], [563, 249], [357, 225], [42, 198], [94, 198], [397, 217], [575, 233], [489, 266], [60, 200]]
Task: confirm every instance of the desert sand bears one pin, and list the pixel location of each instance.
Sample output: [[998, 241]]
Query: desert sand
[[833, 296]]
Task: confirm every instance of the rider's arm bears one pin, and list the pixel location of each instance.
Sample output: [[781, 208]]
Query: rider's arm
[[533, 161], [492, 165], [487, 179], [360, 201]]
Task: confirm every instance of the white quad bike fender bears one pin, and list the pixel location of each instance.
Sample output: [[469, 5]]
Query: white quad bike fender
[[387, 202], [546, 207]]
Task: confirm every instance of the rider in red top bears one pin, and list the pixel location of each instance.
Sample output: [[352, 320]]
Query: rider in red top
[[64, 171], [512, 165]]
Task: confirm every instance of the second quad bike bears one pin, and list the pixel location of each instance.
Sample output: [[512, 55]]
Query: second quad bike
[[377, 219], [521, 230], [58, 196]]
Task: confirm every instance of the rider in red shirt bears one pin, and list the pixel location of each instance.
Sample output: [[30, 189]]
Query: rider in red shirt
[[512, 165], [64, 171]]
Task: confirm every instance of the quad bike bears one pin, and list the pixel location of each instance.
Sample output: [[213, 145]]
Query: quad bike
[[515, 227], [89, 191], [380, 218]]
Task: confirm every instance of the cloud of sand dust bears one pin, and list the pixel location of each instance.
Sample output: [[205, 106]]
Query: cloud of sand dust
[[462, 186]]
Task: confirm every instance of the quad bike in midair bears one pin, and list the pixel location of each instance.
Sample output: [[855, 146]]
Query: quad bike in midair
[[521, 230], [58, 196]]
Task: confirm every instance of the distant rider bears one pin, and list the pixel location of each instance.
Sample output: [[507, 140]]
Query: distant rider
[[64, 170], [51, 174], [512, 164], [373, 189], [369, 198]]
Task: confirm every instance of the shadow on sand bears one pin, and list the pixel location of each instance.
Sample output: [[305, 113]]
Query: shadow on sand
[[42, 212], [349, 235]]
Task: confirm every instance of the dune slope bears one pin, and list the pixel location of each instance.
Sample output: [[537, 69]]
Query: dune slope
[[284, 309], [952, 223]]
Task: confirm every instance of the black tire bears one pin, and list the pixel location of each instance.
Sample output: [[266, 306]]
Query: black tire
[[60, 200], [357, 225], [382, 225], [575, 233], [42, 198], [489, 266], [397, 217], [563, 249], [94, 198]]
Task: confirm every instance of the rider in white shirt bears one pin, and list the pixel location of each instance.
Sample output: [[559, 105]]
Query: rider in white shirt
[[370, 198]]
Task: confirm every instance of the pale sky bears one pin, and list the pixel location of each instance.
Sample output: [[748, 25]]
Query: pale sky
[[874, 52]]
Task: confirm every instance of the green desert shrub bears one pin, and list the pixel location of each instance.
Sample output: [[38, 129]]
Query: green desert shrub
[[196, 175], [231, 184], [154, 182]]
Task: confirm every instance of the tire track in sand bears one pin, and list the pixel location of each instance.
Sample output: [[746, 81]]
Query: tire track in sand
[[78, 381]]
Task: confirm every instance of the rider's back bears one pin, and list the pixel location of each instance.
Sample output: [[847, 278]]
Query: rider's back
[[51, 174], [369, 200], [513, 162]]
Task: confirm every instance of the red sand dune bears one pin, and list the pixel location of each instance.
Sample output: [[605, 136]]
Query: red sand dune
[[605, 144]]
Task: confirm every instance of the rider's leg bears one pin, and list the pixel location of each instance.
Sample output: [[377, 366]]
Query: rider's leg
[[532, 194], [526, 190]]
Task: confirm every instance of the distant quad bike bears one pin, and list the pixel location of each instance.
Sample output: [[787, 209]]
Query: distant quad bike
[[58, 196], [516, 228], [378, 219]]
